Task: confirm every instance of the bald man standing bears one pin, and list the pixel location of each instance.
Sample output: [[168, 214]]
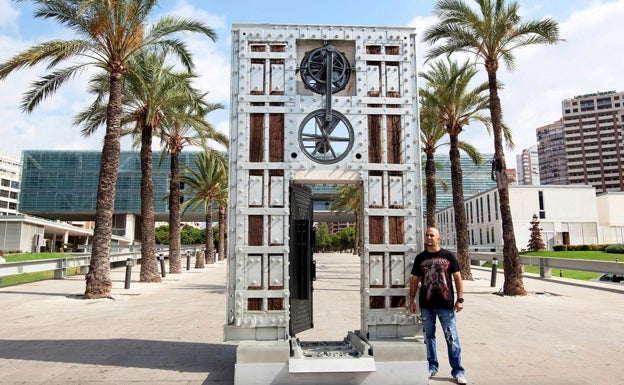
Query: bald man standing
[[435, 269]]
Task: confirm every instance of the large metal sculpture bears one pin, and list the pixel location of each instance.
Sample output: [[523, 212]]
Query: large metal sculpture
[[322, 104]]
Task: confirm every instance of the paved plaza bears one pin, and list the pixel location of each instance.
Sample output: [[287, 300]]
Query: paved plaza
[[563, 332]]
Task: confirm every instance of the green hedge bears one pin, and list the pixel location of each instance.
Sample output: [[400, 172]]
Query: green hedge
[[591, 247], [617, 249]]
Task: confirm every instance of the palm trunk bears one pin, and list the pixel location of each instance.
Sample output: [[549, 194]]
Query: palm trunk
[[430, 174], [513, 284], [358, 226], [98, 281], [149, 265], [461, 223], [210, 251], [222, 231], [175, 259]]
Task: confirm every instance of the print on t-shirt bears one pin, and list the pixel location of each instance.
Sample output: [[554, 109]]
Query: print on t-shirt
[[434, 282]]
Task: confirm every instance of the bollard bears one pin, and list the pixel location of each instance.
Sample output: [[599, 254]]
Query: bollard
[[494, 271], [128, 273], [560, 273], [162, 265], [188, 260]]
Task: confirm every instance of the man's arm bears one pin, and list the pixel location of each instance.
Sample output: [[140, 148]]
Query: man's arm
[[459, 286], [412, 293]]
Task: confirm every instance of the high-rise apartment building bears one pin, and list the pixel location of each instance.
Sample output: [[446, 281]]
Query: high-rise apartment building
[[10, 169], [528, 167], [594, 143], [551, 150]]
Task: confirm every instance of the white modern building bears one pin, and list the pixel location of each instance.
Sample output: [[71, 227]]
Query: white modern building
[[611, 216], [10, 169], [568, 215]]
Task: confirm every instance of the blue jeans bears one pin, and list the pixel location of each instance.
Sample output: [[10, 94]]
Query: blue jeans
[[447, 320]]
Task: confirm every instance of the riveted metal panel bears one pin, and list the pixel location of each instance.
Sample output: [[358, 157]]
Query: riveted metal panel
[[253, 271], [257, 77], [392, 78], [276, 270], [276, 194], [396, 191], [255, 190], [375, 190], [376, 269], [277, 230], [373, 78], [278, 79], [397, 269]]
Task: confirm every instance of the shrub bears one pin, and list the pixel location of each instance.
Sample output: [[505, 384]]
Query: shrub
[[616, 249], [560, 247]]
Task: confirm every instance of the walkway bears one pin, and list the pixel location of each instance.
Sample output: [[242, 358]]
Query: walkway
[[564, 332]]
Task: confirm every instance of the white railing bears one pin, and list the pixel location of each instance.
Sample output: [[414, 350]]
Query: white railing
[[82, 261], [546, 264]]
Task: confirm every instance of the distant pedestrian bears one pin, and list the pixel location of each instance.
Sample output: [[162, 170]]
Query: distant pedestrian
[[435, 269]]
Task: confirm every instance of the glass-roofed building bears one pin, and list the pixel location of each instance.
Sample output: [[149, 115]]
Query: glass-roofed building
[[62, 185], [476, 179]]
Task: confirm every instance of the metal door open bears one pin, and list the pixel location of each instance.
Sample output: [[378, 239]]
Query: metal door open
[[301, 262]]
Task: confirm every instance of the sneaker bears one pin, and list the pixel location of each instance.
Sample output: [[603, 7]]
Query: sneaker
[[461, 379], [432, 373]]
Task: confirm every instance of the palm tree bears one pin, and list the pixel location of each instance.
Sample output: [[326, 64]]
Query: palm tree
[[186, 127], [206, 184], [152, 93], [447, 91], [431, 133], [348, 199], [108, 34], [491, 33], [222, 202]]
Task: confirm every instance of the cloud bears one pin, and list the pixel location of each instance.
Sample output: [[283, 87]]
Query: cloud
[[8, 17], [587, 61]]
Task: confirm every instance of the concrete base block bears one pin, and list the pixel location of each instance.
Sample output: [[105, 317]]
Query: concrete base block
[[387, 373], [393, 362]]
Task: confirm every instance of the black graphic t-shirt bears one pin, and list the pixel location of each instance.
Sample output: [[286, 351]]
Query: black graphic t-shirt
[[436, 277]]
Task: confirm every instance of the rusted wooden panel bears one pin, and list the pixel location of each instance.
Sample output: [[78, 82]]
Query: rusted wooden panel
[[276, 303], [374, 139], [276, 137], [373, 49], [254, 304], [397, 229], [256, 230], [395, 139], [256, 137], [376, 230], [393, 50]]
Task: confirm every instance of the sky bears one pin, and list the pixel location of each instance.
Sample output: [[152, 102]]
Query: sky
[[589, 59]]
